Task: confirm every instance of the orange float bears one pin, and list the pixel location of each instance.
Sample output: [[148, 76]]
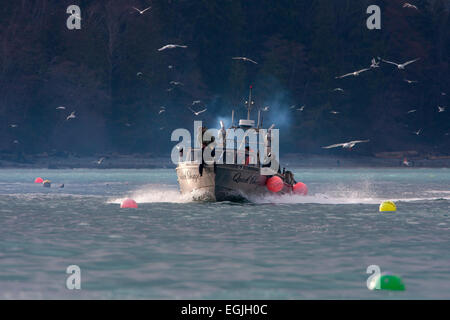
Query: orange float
[[128, 203], [300, 188], [275, 184]]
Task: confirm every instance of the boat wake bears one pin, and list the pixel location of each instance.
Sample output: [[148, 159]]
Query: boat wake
[[171, 194], [157, 194]]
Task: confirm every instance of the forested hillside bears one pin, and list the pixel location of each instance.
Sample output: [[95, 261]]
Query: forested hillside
[[113, 76]]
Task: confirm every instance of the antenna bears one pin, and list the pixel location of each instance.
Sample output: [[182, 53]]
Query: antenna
[[232, 118], [249, 103]]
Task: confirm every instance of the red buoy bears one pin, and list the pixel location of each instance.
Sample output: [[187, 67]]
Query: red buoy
[[275, 184], [300, 188], [129, 203], [38, 180]]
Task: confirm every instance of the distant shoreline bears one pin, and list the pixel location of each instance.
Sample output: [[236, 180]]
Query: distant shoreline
[[151, 162]]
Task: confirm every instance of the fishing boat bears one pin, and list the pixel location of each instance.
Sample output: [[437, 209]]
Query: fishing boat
[[237, 181]]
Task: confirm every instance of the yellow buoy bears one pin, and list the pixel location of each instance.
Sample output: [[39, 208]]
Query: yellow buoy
[[387, 206]]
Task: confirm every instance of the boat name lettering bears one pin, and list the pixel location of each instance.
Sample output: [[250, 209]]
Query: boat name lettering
[[250, 179], [189, 175]]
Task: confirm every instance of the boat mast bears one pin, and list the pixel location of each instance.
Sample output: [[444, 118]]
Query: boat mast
[[248, 123]]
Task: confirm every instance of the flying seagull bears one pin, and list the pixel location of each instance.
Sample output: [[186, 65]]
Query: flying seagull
[[141, 11], [171, 46], [441, 109], [346, 145], [355, 74], [401, 66], [13, 125], [176, 83], [418, 132], [163, 109], [375, 63], [409, 5], [265, 109], [71, 116], [61, 108], [412, 111], [410, 81], [244, 59], [100, 160], [334, 112], [338, 89], [198, 112], [301, 108]]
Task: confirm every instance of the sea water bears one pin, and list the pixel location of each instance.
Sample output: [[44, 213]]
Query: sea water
[[288, 247]]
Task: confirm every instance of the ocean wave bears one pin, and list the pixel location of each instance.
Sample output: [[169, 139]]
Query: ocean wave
[[320, 198]]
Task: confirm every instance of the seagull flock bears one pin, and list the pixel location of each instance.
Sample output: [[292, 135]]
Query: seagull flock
[[375, 63], [177, 83]]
